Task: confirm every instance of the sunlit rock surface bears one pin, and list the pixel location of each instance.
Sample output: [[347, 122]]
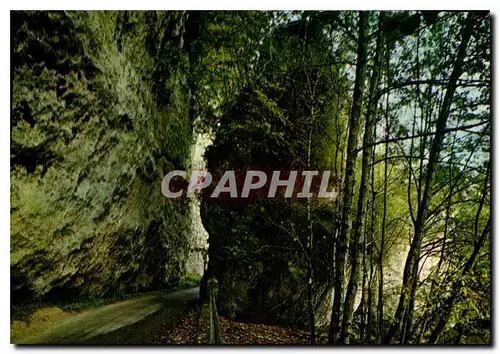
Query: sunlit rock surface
[[198, 241]]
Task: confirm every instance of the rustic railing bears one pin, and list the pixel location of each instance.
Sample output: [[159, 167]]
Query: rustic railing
[[215, 333]]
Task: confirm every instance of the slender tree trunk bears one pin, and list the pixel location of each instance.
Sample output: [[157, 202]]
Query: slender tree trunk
[[363, 293], [364, 302], [343, 239], [358, 234], [336, 218], [380, 304], [370, 246], [310, 274], [410, 273], [449, 303], [425, 320], [408, 318]]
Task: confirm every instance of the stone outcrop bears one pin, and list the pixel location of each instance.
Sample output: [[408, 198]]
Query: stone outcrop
[[198, 241], [100, 113]]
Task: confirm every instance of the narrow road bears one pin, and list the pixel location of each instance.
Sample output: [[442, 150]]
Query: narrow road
[[125, 322]]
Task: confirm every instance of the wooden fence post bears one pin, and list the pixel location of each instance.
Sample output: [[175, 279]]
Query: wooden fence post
[[215, 334]]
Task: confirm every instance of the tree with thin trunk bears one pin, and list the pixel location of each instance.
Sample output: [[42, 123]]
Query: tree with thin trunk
[[358, 236], [479, 241], [343, 239], [410, 273]]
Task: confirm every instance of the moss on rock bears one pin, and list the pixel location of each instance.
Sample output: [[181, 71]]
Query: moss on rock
[[100, 113]]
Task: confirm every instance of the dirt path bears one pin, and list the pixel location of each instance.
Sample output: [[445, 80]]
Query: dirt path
[[125, 322]]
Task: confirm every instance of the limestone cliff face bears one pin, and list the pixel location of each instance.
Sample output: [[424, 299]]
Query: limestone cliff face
[[100, 113], [198, 245]]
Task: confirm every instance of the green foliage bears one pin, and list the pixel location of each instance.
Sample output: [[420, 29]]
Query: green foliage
[[189, 280]]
